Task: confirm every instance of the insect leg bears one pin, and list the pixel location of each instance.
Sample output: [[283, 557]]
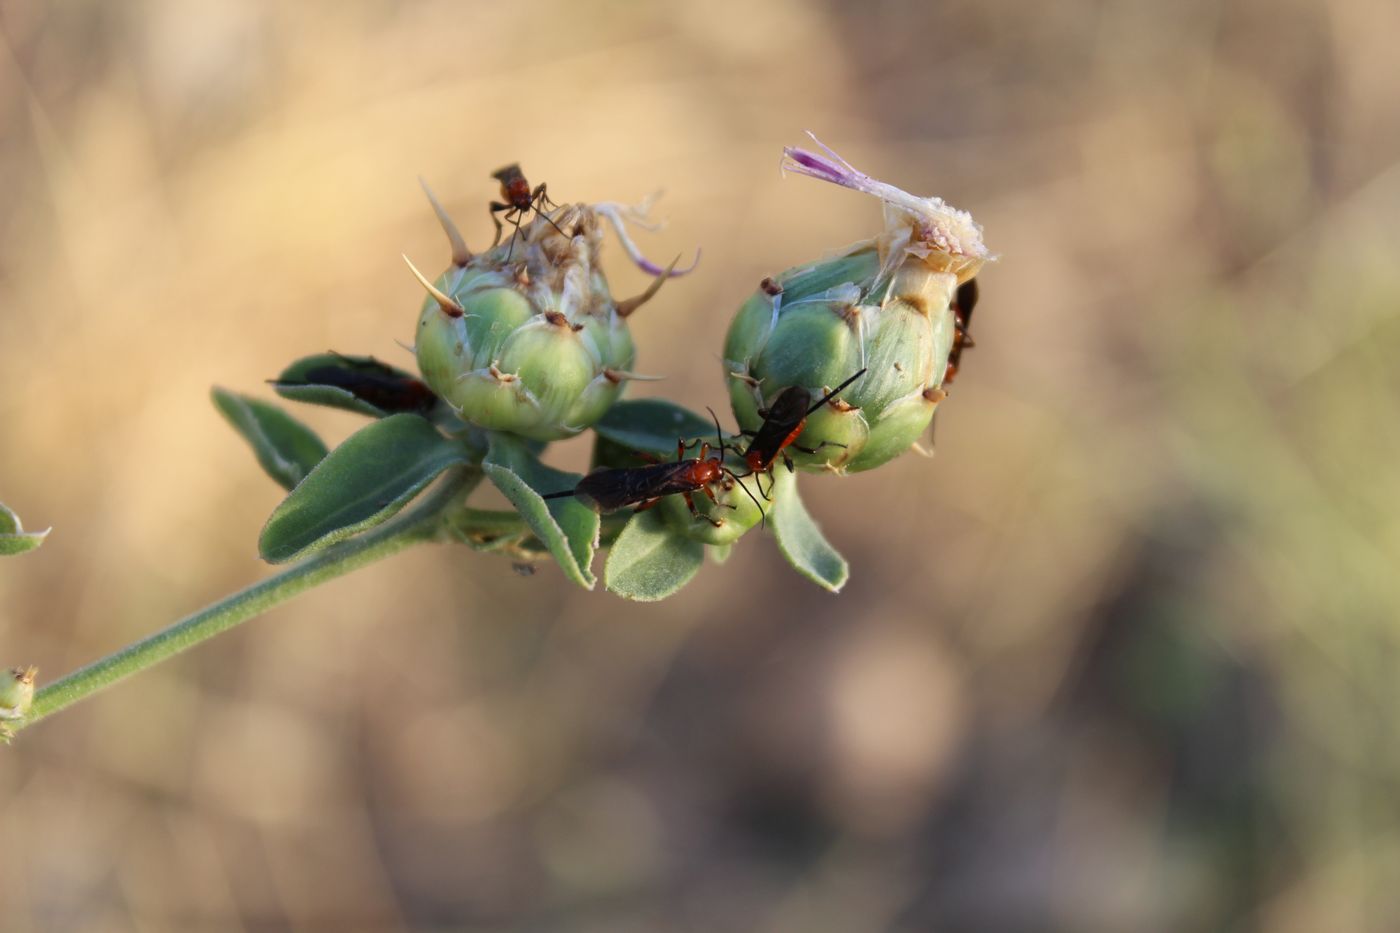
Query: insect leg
[[762, 515], [515, 222], [711, 493], [758, 481], [497, 207], [812, 450], [690, 504], [539, 198]]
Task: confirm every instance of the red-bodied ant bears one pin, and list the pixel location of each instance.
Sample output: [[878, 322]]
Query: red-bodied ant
[[517, 200], [783, 422], [609, 489], [369, 381]]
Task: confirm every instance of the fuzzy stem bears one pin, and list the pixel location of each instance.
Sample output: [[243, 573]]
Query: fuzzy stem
[[423, 523]]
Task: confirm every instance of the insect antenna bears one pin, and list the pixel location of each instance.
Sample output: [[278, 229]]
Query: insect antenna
[[834, 392], [544, 199], [719, 436], [762, 515]]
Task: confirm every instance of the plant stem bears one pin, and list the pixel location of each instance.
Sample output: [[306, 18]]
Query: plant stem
[[423, 523]]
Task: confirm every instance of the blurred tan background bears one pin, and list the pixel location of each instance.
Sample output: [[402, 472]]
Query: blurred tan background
[[1121, 657]]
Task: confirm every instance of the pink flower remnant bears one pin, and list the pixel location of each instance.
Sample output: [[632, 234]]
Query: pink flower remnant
[[933, 225]]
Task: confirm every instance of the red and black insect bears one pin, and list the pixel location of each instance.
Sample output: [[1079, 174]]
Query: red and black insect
[[610, 489], [963, 302], [783, 422], [370, 381], [517, 200]]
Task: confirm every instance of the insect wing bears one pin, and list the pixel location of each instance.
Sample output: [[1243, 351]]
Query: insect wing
[[619, 488]]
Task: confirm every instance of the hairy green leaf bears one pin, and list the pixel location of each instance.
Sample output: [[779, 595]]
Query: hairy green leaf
[[801, 540], [13, 538], [649, 561], [567, 527], [360, 484], [654, 425], [322, 380], [286, 448]]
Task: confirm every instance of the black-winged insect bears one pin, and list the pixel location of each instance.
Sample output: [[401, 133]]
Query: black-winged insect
[[607, 490], [783, 422], [517, 200], [963, 302], [369, 381]]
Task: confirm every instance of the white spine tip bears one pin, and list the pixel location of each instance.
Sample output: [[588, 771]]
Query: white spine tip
[[448, 304]]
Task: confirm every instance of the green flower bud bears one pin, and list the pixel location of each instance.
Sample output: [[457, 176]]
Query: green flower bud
[[16, 696], [526, 338], [884, 305]]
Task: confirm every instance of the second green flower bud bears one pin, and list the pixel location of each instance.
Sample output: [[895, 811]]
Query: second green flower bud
[[884, 306]]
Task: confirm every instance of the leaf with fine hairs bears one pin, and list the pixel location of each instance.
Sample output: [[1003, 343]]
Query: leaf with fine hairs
[[286, 449], [360, 484], [650, 560], [566, 527], [800, 540]]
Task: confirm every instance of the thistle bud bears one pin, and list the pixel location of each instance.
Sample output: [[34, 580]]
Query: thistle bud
[[16, 696], [526, 338], [882, 305]]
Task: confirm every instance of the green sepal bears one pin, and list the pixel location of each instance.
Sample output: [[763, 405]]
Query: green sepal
[[650, 561], [654, 425], [286, 384], [360, 484], [801, 541], [286, 449], [813, 345], [860, 267], [13, 538], [567, 527], [719, 553], [896, 428]]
